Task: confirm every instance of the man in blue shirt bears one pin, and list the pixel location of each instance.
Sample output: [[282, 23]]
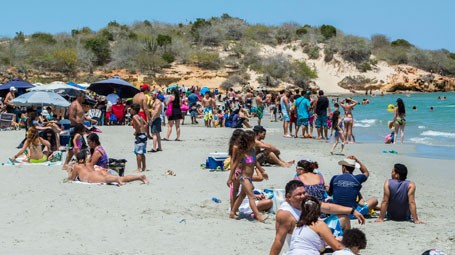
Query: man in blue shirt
[[345, 188], [192, 101], [302, 105]]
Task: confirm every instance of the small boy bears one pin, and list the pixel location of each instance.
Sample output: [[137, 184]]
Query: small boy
[[354, 240], [140, 144]]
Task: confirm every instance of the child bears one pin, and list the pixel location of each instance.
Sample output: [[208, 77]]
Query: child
[[78, 140], [140, 144], [337, 126], [354, 240]]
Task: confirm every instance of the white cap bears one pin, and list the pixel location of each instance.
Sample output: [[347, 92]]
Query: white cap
[[12, 89]]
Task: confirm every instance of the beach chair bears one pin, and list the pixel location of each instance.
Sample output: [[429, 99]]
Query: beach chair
[[6, 121], [96, 115]]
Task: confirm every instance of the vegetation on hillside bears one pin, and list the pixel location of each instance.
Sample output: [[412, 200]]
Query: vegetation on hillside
[[148, 47]]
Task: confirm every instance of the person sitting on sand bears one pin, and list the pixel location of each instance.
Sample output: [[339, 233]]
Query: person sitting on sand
[[345, 188], [85, 173], [313, 182], [267, 153], [311, 234], [354, 240], [98, 155], [33, 144], [398, 202], [290, 212]]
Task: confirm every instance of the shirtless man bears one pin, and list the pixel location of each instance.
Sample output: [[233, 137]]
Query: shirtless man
[[259, 107], [286, 111], [76, 116], [289, 213], [10, 96], [85, 173], [208, 103], [267, 153], [155, 122], [142, 100], [140, 143]]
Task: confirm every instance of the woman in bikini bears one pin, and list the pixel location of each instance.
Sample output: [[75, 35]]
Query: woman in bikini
[[337, 126], [98, 155], [233, 183], [33, 144], [399, 119], [348, 105], [245, 160], [313, 183], [84, 172]]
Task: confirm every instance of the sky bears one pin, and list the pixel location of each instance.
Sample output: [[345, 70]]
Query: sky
[[426, 24]]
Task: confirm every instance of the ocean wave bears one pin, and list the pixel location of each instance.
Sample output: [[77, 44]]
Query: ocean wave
[[438, 134], [365, 123], [421, 127], [422, 140]]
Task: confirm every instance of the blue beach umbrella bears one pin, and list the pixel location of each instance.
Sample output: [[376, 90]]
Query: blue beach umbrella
[[40, 98], [75, 85], [114, 84], [19, 84], [204, 90]]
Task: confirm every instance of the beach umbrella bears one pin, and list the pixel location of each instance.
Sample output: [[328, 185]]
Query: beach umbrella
[[40, 98], [60, 88], [114, 85], [172, 87], [112, 98], [19, 84], [72, 84], [204, 90]]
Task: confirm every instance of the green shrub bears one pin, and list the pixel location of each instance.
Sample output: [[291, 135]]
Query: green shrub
[[300, 70], [401, 43], [100, 47], [301, 31], [328, 31], [312, 51], [364, 67], [328, 54], [168, 57], [205, 59], [43, 38]]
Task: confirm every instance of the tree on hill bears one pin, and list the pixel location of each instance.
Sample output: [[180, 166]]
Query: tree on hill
[[401, 43], [328, 31]]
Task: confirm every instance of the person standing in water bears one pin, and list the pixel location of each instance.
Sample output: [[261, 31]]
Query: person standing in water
[[399, 119]]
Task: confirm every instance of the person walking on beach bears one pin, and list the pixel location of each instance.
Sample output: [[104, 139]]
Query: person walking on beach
[[290, 212], [209, 104], [140, 143], [399, 119], [143, 102], [286, 111], [322, 110], [398, 202], [259, 107], [348, 105], [345, 188], [302, 104], [155, 120], [176, 114], [337, 126]]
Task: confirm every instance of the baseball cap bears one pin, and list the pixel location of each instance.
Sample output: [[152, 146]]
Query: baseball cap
[[348, 162], [12, 89], [145, 86]]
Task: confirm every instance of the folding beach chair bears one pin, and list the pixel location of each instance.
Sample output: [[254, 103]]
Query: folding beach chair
[[6, 120]]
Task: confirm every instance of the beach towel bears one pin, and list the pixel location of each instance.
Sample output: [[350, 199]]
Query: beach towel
[[88, 183], [334, 225], [18, 162]]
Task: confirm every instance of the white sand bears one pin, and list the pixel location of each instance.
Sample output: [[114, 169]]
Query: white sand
[[42, 214]]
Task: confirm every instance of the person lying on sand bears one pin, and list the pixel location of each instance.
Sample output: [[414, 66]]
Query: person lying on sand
[[85, 173]]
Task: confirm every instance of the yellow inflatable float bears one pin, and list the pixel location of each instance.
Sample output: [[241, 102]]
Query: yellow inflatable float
[[390, 108]]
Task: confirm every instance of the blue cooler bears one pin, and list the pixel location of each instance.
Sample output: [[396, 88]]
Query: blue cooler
[[215, 160]]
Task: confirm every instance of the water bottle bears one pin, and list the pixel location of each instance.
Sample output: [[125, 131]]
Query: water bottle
[[216, 200]]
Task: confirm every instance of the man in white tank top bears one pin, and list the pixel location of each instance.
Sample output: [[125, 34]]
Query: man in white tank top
[[289, 213]]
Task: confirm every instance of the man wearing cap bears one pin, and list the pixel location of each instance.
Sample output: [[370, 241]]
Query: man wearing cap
[[141, 99], [10, 96], [289, 213], [398, 202], [267, 153], [345, 188], [322, 109]]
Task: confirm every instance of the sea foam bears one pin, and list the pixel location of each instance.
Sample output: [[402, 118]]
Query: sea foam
[[438, 134]]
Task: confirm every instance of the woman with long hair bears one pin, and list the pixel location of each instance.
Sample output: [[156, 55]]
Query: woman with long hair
[[399, 119], [233, 183], [311, 234], [98, 155], [348, 105], [176, 116], [33, 144], [245, 160]]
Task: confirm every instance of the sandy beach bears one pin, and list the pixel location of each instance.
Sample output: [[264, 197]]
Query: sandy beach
[[41, 213]]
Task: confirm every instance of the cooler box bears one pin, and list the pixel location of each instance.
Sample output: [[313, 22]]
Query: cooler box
[[215, 160]]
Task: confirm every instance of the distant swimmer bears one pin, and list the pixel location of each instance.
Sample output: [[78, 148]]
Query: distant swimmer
[[414, 108], [431, 109]]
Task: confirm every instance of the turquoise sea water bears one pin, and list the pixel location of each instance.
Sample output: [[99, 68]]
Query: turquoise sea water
[[432, 132]]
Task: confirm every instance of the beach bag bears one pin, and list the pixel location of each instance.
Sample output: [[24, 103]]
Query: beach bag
[[169, 110], [184, 108]]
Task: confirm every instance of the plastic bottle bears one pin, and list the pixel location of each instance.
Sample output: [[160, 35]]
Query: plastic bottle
[[216, 200]]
